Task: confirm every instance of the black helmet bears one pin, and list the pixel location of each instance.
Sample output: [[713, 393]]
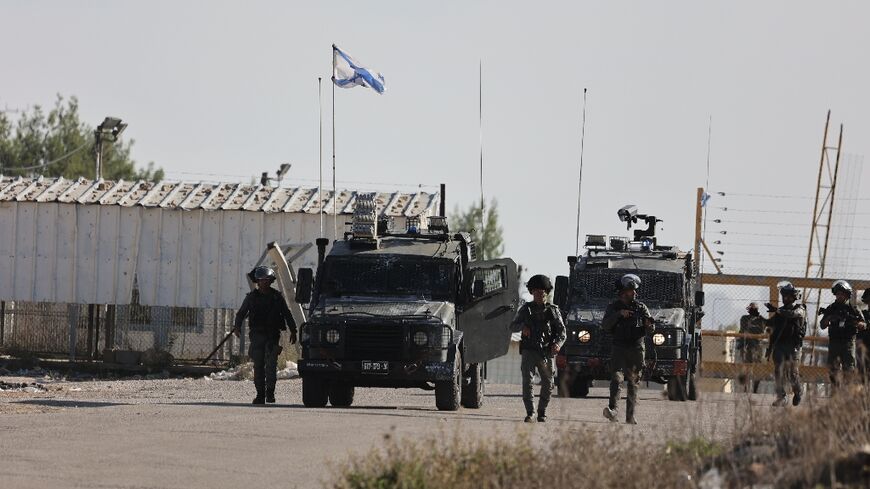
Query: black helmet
[[628, 281], [540, 282], [841, 286], [786, 288], [261, 273]]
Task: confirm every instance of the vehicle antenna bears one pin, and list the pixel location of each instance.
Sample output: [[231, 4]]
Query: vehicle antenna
[[580, 178]]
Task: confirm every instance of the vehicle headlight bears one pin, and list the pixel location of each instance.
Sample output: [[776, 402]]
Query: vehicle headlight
[[421, 338], [583, 336], [332, 336], [658, 339]]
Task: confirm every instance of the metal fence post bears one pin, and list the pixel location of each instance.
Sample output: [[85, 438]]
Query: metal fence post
[[73, 315], [2, 322]]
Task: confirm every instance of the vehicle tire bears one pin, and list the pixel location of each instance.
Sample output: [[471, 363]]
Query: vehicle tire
[[341, 394], [677, 388], [693, 387], [314, 391], [580, 387], [449, 392], [473, 387]]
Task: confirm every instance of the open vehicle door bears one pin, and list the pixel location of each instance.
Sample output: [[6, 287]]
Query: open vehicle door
[[493, 300]]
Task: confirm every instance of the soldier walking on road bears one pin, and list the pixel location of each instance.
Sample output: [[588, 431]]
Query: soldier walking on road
[[628, 321], [864, 341], [750, 348], [843, 321], [789, 326], [267, 315], [543, 333]]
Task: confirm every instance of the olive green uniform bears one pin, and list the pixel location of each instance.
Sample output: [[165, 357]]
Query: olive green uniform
[[841, 319], [627, 353], [267, 315], [788, 328], [543, 329]]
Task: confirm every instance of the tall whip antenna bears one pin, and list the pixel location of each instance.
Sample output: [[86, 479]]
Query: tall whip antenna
[[480, 121], [320, 149], [580, 179]]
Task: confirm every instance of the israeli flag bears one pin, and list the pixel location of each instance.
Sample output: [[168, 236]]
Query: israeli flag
[[347, 73]]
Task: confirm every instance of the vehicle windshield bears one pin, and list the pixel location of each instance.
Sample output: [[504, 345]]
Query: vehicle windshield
[[598, 286], [388, 275]]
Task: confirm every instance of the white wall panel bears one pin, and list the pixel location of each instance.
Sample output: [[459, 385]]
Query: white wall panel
[[86, 253], [148, 259], [230, 268], [170, 258], [108, 238], [8, 215], [209, 255], [128, 246], [45, 265], [66, 258], [25, 250]]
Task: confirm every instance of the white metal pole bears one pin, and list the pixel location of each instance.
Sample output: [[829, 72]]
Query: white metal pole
[[580, 177], [320, 149], [334, 215], [480, 124]]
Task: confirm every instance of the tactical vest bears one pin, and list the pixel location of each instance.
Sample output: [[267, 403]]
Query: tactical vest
[[844, 319], [629, 331], [540, 333], [265, 313], [788, 333]]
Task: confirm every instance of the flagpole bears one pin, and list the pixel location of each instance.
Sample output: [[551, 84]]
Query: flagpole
[[580, 178], [334, 196], [320, 149], [480, 124]]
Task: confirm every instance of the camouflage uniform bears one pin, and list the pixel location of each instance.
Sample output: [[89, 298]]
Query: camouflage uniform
[[864, 348], [627, 354], [545, 329], [750, 348], [841, 319], [789, 326], [267, 315]]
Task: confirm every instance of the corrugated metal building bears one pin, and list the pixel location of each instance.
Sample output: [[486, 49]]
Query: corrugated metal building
[[187, 244]]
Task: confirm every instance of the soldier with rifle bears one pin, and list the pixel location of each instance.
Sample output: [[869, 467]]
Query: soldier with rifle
[[750, 348], [267, 315], [628, 321], [788, 326], [542, 335], [843, 322]]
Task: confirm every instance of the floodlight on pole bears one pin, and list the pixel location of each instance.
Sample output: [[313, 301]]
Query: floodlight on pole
[[108, 130]]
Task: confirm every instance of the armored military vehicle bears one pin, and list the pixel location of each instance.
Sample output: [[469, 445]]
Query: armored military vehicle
[[668, 289], [403, 309]]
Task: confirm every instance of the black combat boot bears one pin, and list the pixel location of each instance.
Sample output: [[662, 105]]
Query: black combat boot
[[270, 395], [797, 398], [542, 416], [261, 398], [530, 417]]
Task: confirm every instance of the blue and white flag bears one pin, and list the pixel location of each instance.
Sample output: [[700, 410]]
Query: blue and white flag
[[347, 73], [705, 197]]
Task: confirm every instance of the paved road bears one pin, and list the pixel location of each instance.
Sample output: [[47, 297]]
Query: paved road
[[188, 433]]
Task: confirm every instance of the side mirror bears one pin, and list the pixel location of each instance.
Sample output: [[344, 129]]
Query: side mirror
[[477, 289], [304, 283], [699, 298], [560, 292]]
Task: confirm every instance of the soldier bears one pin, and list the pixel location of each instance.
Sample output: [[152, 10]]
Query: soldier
[[628, 321], [864, 341], [750, 348], [843, 322], [789, 326], [543, 333], [267, 315]]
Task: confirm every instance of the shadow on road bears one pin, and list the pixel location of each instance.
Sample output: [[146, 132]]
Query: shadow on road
[[69, 403]]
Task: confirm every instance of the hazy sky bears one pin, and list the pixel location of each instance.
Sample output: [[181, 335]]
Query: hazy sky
[[225, 90]]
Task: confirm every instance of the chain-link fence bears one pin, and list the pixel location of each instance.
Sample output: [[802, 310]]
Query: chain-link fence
[[116, 333]]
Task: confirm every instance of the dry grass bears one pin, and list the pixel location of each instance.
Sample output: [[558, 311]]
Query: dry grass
[[824, 444]]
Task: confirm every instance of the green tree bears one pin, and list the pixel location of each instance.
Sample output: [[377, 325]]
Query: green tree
[[490, 242], [59, 144]]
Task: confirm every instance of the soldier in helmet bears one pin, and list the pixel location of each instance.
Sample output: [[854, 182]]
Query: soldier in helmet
[[843, 322], [628, 321], [750, 348], [864, 340], [267, 315], [788, 327], [542, 335]]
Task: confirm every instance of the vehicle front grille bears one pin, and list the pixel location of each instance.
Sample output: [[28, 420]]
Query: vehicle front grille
[[374, 342]]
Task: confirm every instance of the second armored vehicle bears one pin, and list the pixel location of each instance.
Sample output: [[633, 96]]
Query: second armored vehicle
[[668, 289]]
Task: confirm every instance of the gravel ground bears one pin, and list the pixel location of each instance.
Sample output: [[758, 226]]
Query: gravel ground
[[174, 433]]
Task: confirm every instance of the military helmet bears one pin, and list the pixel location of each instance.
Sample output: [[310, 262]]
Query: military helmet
[[786, 288], [540, 282], [628, 281], [264, 273], [841, 286]]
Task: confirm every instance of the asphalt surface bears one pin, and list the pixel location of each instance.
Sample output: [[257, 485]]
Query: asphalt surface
[[190, 433]]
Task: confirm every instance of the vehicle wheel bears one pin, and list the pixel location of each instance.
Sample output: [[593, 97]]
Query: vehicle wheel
[[693, 387], [580, 387], [448, 392], [341, 394], [314, 391], [677, 389], [473, 387]]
